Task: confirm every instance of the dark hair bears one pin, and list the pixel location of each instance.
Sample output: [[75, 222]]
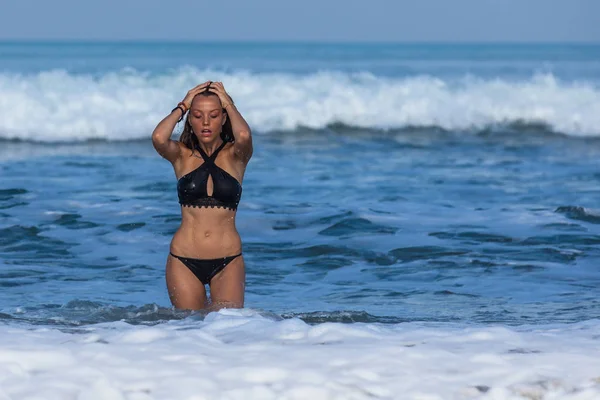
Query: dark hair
[[187, 135]]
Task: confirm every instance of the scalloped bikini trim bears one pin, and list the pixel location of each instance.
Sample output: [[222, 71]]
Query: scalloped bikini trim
[[232, 208]]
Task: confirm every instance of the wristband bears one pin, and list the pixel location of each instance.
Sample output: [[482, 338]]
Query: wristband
[[183, 106], [182, 112]]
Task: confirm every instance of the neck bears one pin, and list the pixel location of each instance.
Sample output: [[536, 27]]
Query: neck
[[211, 147]]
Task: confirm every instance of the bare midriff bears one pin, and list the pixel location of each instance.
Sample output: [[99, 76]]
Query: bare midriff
[[206, 233]]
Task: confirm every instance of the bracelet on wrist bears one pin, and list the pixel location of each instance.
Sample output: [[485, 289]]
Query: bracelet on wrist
[[183, 106], [182, 112]]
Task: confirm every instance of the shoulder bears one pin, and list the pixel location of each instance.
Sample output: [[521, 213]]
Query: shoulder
[[184, 152]]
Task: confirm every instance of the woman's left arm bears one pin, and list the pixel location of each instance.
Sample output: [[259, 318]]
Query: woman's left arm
[[241, 131]]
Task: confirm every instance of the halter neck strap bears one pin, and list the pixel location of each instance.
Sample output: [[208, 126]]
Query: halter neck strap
[[213, 155]]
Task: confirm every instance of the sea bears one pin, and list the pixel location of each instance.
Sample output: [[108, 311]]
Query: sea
[[419, 221]]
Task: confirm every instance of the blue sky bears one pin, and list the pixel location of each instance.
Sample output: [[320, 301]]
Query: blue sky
[[304, 20]]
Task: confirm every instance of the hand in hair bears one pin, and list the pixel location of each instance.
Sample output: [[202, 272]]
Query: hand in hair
[[218, 89], [187, 101]]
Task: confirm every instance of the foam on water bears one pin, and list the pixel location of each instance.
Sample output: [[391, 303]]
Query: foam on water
[[56, 106], [243, 354]]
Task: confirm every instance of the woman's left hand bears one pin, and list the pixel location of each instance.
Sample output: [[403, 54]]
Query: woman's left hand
[[218, 89]]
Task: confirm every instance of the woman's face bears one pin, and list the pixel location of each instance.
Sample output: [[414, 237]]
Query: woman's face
[[207, 118]]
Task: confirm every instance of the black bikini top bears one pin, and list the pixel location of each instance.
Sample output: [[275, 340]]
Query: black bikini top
[[192, 187]]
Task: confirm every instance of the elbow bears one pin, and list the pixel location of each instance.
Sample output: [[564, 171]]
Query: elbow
[[158, 143], [243, 144], [244, 136], [157, 140]]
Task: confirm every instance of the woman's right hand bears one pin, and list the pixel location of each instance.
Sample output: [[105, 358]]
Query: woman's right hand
[[187, 101]]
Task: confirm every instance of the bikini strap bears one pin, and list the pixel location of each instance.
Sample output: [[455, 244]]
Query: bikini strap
[[212, 157]]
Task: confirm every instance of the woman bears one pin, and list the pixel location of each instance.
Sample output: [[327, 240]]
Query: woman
[[209, 160]]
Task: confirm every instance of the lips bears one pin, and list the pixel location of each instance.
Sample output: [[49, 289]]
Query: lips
[[206, 132]]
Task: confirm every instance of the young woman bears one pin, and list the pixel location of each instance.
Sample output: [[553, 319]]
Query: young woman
[[209, 160]]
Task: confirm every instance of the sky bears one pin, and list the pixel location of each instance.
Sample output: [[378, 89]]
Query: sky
[[303, 20]]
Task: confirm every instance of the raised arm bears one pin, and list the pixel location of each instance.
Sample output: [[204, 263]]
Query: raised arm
[[242, 146], [161, 136]]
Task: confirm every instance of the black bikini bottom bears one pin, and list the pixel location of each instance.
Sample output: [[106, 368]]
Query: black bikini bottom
[[205, 270]]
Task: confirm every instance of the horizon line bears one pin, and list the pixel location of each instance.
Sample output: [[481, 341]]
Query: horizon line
[[291, 41]]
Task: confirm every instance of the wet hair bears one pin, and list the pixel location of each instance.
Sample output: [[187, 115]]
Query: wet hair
[[189, 139]]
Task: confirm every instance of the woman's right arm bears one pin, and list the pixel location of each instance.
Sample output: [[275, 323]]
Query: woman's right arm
[[161, 137]]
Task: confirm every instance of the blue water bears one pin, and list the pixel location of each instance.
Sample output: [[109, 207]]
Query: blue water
[[572, 61], [431, 215]]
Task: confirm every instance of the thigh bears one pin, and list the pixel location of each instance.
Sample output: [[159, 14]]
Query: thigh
[[227, 287], [185, 289]]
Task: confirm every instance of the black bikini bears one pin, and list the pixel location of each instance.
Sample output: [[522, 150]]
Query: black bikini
[[205, 270], [192, 189]]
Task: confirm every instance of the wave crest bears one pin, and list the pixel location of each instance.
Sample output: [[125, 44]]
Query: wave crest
[[58, 106]]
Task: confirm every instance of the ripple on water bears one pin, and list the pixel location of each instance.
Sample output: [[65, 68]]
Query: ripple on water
[[562, 226], [325, 263], [408, 254], [12, 198], [73, 221], [473, 237], [8, 194], [284, 225], [578, 213], [539, 254], [562, 239], [357, 226], [130, 226], [28, 242]]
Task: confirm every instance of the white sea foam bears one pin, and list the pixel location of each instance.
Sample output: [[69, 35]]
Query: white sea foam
[[58, 106], [243, 355]]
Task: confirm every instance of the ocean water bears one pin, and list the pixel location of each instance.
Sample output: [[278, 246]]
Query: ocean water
[[418, 222]]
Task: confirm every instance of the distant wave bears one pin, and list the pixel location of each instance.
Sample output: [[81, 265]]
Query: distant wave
[[56, 106]]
